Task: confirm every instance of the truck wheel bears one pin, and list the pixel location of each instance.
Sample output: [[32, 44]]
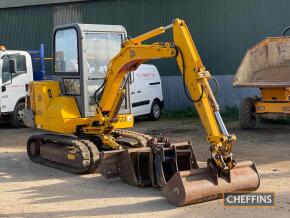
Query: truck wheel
[[155, 111], [16, 119], [247, 114]]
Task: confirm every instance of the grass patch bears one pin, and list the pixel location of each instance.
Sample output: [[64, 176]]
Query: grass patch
[[189, 112], [228, 114]]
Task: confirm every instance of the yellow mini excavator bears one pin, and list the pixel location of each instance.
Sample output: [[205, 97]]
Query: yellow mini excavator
[[87, 103]]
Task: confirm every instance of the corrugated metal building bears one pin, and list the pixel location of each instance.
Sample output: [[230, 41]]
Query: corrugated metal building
[[223, 30]]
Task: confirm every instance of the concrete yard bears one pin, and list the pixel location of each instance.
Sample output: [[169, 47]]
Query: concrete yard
[[31, 190]]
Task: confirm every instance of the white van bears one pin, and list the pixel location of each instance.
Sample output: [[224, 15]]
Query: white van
[[146, 92]]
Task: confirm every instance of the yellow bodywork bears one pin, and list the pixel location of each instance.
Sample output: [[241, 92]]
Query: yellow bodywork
[[275, 94], [274, 100], [272, 107], [60, 114]]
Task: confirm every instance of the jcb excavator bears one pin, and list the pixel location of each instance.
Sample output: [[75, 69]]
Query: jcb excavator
[[62, 105]]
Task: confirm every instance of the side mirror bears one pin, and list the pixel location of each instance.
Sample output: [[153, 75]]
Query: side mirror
[[3, 88], [12, 66]]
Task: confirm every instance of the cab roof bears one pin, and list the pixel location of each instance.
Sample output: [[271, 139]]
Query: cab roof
[[93, 27]]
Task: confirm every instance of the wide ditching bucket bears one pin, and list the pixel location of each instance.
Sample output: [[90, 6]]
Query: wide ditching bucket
[[203, 184], [266, 65]]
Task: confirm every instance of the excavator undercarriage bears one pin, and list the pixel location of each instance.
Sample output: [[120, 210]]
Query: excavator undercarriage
[[88, 143]]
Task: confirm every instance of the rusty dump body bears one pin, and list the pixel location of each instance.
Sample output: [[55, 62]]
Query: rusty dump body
[[266, 65], [173, 168]]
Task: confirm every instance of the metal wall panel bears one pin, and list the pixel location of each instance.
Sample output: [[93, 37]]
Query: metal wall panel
[[23, 3], [175, 98], [67, 14], [223, 30], [25, 28]]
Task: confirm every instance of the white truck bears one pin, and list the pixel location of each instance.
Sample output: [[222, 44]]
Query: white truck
[[14, 82]]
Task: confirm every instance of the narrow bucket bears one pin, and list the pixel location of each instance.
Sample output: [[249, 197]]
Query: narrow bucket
[[200, 185]]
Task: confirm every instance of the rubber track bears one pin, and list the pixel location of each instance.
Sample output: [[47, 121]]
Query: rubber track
[[94, 155], [140, 137], [86, 149]]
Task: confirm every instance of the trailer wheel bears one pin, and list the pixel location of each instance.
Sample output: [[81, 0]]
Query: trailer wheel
[[247, 114], [155, 110], [16, 118]]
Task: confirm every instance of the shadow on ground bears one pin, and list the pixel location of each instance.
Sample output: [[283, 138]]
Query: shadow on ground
[[54, 186]]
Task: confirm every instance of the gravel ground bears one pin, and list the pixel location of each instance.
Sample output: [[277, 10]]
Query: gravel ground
[[32, 190]]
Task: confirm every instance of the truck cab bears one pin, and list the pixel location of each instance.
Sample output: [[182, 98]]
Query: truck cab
[[14, 85]]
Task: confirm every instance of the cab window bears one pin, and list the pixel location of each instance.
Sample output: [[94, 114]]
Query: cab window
[[20, 67], [100, 49], [66, 52]]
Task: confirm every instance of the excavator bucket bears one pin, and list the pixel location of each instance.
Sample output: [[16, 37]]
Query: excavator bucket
[[148, 166], [173, 168], [266, 65], [203, 184]]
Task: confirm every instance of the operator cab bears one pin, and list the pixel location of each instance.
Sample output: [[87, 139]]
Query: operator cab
[[82, 53]]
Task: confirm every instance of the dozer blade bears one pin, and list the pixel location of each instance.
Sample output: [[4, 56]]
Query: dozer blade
[[200, 185]]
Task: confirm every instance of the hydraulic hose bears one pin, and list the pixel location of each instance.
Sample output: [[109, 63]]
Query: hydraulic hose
[[183, 78]]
